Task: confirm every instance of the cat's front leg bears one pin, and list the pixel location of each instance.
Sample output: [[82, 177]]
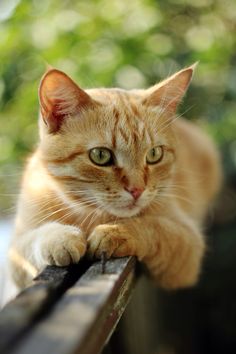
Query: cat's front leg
[[176, 258], [50, 244], [171, 246]]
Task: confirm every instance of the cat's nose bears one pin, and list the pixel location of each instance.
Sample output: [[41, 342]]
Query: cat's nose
[[135, 191]]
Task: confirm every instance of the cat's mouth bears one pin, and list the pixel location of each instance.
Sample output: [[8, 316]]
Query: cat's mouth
[[124, 211], [129, 204]]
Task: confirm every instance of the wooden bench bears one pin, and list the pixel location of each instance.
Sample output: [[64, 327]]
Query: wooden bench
[[68, 310]]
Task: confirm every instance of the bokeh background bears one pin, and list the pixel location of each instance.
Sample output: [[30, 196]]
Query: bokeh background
[[129, 44], [133, 44]]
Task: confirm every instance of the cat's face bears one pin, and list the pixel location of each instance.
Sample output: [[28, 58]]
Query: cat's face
[[108, 148]]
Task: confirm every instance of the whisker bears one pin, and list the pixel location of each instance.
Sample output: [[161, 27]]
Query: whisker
[[176, 196], [96, 213], [70, 207], [89, 214], [169, 122]]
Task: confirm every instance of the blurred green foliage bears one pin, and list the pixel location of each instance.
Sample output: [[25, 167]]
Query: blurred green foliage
[[130, 44]]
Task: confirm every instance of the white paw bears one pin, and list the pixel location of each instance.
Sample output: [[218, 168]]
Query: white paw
[[59, 245]]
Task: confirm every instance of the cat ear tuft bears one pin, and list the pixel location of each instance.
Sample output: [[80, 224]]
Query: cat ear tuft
[[169, 93], [60, 97]]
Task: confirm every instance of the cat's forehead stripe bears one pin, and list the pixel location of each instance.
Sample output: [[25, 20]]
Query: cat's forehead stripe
[[130, 107], [114, 131], [129, 124], [134, 109], [124, 135]]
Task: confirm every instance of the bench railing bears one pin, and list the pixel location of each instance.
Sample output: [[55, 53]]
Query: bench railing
[[71, 309]]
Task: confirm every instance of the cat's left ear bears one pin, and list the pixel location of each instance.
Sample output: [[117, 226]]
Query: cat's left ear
[[168, 94], [60, 97]]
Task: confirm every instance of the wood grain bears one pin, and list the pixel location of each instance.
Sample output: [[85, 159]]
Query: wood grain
[[35, 302], [86, 315]]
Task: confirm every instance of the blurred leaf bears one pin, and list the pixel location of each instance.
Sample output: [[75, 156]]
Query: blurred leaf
[[131, 43]]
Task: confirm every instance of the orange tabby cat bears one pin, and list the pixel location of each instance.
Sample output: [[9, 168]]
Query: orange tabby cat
[[115, 172]]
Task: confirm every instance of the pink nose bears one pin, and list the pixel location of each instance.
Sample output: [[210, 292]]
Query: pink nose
[[135, 192]]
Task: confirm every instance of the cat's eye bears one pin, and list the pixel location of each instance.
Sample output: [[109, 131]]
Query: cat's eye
[[101, 156], [155, 155]]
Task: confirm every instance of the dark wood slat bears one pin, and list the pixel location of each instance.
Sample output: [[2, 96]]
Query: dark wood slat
[[84, 319], [17, 317]]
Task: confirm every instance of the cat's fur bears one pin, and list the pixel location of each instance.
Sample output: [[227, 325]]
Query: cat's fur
[[69, 206]]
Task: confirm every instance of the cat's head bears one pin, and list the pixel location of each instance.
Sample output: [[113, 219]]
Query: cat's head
[[109, 148]]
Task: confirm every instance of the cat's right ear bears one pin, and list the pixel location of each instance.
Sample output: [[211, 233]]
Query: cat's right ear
[[60, 97], [169, 93]]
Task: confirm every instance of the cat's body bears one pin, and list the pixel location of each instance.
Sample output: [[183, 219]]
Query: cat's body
[[148, 200]]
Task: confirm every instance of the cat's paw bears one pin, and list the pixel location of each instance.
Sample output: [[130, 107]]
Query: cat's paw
[[113, 240], [59, 245]]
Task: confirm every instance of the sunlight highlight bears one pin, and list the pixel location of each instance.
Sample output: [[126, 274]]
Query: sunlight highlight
[[21, 262]]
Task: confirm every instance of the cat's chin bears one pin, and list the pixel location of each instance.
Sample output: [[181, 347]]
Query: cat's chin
[[125, 212]]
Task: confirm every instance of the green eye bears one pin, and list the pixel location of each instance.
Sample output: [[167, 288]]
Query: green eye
[[101, 156], [155, 155]]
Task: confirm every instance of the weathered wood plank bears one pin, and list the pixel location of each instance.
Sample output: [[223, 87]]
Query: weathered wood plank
[[87, 314], [17, 317]]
